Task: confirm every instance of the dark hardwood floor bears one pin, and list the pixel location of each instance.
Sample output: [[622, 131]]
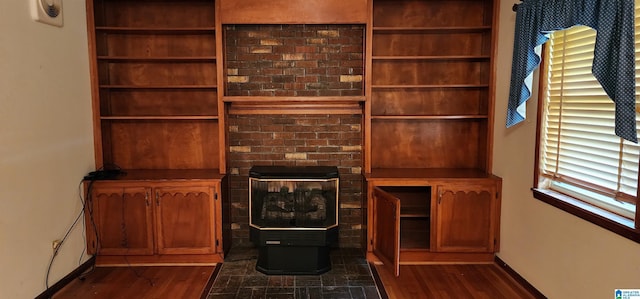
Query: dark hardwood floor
[[478, 281], [156, 282], [424, 281]]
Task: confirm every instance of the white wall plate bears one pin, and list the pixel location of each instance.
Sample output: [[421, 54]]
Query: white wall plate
[[47, 11]]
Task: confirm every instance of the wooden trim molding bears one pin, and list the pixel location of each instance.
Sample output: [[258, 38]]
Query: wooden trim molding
[[293, 11], [212, 279], [519, 279], [294, 105], [52, 290], [378, 281], [602, 218]]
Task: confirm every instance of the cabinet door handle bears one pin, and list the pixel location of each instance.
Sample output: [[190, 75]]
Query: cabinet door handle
[[157, 199], [439, 196], [146, 198]]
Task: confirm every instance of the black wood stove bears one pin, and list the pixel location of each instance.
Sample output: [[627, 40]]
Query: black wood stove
[[293, 217]]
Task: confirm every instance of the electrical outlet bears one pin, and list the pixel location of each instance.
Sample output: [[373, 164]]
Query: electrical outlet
[[55, 244], [47, 11]]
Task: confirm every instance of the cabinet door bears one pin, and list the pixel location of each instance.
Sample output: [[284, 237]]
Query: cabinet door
[[119, 221], [185, 219], [386, 225], [466, 218]]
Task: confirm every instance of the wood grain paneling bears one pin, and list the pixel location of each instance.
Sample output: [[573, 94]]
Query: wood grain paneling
[[433, 101], [450, 13], [430, 43], [465, 218], [164, 145], [161, 45], [160, 74], [185, 218], [420, 143], [445, 71], [123, 218], [159, 102], [293, 11], [155, 14]]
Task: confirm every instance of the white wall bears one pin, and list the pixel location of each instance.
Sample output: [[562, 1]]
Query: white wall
[[46, 144], [560, 254]]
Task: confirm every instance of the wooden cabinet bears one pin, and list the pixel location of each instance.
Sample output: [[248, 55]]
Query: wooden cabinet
[[154, 74], [467, 217], [154, 221], [428, 132], [386, 243], [120, 220], [158, 84], [433, 220], [185, 219]]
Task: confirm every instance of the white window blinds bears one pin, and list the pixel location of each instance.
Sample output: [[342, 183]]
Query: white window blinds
[[578, 145]]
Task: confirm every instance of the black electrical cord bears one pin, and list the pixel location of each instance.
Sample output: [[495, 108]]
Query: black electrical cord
[[100, 174], [86, 205], [55, 252], [138, 274]]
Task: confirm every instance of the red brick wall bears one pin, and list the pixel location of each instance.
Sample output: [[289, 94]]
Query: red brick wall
[[294, 60], [328, 140]]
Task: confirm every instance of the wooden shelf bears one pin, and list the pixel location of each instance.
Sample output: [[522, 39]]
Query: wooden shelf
[[416, 237], [414, 214], [169, 174], [252, 99], [426, 117], [470, 29], [425, 86], [443, 57], [156, 30], [159, 117], [109, 86], [402, 174], [156, 87], [164, 59]]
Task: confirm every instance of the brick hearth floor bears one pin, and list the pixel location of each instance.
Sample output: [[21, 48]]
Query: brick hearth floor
[[350, 277]]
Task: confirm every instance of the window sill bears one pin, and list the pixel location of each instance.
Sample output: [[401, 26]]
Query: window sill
[[607, 220]]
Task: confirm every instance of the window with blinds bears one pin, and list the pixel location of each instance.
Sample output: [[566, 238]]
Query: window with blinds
[[580, 155]]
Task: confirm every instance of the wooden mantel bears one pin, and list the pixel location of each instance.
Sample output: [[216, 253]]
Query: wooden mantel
[[294, 105], [293, 11]]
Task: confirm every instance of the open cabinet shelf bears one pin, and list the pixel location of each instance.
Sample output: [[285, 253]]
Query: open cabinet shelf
[[431, 84], [156, 72]]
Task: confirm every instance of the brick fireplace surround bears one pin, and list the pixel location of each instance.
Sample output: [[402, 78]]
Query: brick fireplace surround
[[295, 61]]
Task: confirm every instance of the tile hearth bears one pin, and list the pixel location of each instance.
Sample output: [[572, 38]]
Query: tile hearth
[[350, 277]]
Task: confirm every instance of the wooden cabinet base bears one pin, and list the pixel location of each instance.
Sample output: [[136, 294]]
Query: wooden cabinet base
[[134, 220], [159, 260], [425, 257], [429, 220]]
